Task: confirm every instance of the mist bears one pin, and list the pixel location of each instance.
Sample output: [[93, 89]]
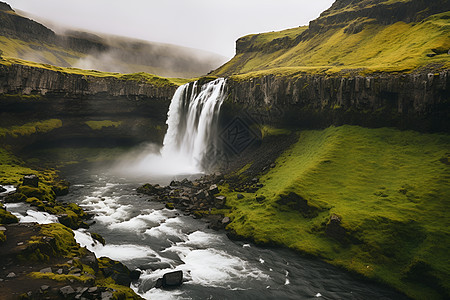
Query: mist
[[126, 55], [212, 26]]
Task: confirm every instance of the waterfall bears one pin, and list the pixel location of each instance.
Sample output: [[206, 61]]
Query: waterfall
[[192, 122], [189, 145]]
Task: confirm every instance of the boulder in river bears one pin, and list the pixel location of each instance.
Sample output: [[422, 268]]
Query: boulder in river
[[31, 180], [134, 275], [159, 283], [172, 279], [148, 189]]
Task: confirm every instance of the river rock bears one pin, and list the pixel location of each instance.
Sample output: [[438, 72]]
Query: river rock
[[107, 295], [11, 275], [81, 290], [90, 259], [175, 183], [225, 220], [213, 189], [66, 291], [221, 198], [135, 274], [159, 283], [30, 180], [170, 206], [172, 279], [148, 189], [44, 288], [46, 270], [200, 194], [186, 182]]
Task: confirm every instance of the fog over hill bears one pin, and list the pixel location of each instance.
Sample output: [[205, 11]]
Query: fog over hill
[[24, 38]]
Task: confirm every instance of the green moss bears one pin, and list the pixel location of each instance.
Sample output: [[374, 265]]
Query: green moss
[[21, 97], [97, 125], [12, 169], [121, 292], [399, 47], [98, 238], [43, 192], [271, 131], [35, 202], [139, 77], [31, 128], [62, 277], [64, 238], [6, 217], [388, 187]]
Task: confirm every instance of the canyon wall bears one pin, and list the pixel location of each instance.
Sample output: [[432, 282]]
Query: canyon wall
[[136, 109], [406, 101]]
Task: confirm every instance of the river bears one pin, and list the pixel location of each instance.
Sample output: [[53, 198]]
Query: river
[[143, 234]]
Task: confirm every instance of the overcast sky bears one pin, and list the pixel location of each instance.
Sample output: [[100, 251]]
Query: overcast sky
[[210, 25]]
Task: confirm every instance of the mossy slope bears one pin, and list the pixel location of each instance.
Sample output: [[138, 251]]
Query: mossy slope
[[143, 77], [362, 44], [388, 188]]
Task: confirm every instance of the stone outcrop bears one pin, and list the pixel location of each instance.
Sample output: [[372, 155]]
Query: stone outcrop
[[409, 101], [21, 79]]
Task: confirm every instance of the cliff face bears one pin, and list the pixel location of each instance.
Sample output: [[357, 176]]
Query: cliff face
[[21, 79], [29, 94], [408, 101]]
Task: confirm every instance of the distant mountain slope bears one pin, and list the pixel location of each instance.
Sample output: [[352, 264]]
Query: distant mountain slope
[[24, 38], [366, 36]]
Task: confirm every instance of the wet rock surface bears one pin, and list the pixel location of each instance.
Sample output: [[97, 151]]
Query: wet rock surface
[[197, 198], [405, 101], [26, 276]]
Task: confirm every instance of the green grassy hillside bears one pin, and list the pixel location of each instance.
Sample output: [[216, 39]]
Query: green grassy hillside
[[363, 45], [140, 77], [386, 191]]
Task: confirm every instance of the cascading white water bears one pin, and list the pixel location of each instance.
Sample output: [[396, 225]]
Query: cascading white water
[[192, 131], [192, 122]]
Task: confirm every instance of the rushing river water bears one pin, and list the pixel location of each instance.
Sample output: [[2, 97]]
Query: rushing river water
[[144, 235]]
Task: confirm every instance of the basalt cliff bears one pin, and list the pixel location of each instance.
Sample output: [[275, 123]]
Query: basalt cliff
[[406, 101], [106, 110]]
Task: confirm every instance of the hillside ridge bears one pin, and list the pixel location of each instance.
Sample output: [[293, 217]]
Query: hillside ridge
[[368, 36], [24, 38]]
